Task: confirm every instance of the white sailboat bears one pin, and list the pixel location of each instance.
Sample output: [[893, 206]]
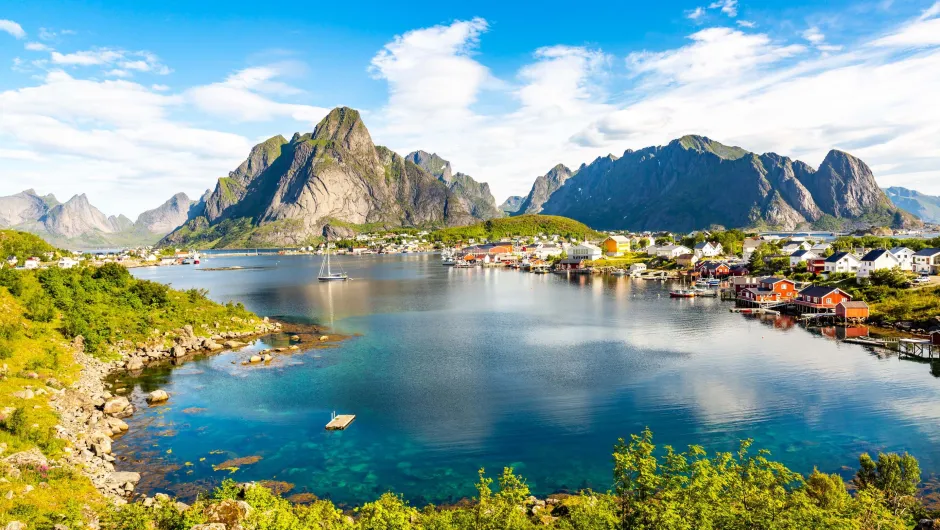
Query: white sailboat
[[326, 273]]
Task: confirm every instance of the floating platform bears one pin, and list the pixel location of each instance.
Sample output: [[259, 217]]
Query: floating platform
[[340, 422]]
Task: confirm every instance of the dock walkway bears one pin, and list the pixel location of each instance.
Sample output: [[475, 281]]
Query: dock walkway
[[340, 422]]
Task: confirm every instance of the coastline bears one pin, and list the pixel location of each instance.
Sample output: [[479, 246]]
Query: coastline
[[91, 415]]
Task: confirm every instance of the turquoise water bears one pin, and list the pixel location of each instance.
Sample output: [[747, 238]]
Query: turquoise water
[[453, 370]]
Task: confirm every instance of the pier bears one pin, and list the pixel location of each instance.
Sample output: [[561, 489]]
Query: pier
[[340, 422]]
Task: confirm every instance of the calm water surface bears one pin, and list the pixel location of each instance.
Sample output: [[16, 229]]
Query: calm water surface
[[453, 370]]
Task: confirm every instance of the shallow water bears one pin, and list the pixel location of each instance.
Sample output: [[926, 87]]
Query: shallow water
[[454, 370]]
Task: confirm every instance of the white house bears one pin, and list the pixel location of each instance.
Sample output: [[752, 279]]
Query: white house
[[707, 250], [672, 251], [905, 257], [31, 263], [67, 263], [800, 256], [750, 245], [821, 248], [12, 261], [167, 261], [544, 251], [876, 260], [927, 261], [841, 262], [637, 268], [793, 246], [585, 251]]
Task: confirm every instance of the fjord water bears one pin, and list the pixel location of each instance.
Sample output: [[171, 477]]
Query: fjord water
[[450, 370]]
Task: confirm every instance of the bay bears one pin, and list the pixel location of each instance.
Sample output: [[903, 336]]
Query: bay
[[450, 370]]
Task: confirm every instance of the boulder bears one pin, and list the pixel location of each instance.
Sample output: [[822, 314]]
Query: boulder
[[15, 525], [24, 394], [228, 512], [255, 359], [134, 364], [179, 351], [295, 338], [30, 458], [116, 425], [157, 396], [116, 405], [324, 337], [122, 478], [213, 346], [234, 344]]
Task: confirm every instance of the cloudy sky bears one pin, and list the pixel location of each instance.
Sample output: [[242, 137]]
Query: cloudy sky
[[131, 104]]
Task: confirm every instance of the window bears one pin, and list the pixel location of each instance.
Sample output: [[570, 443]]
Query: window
[[828, 300]]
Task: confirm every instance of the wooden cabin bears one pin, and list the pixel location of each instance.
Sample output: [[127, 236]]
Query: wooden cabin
[[852, 310]]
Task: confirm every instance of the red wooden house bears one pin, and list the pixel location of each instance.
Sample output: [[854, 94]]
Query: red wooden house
[[770, 290], [852, 310], [816, 265], [821, 299]]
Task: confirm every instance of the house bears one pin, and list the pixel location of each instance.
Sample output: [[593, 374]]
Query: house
[[816, 265], [545, 250], [31, 263], [687, 260], [841, 262], [151, 257], [769, 290], [739, 270], [570, 264], [876, 260], [67, 263], [12, 261], [641, 242], [801, 256], [852, 310], [715, 269], [616, 245], [672, 251], [905, 257], [749, 246], [637, 268], [817, 298], [927, 261], [168, 261], [821, 248], [358, 251], [585, 251], [707, 250], [794, 246]]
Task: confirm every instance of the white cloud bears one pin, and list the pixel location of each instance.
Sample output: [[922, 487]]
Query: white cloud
[[141, 61], [116, 72], [921, 33], [728, 7], [714, 53], [747, 24], [241, 97], [814, 36], [12, 28], [37, 47], [696, 13], [159, 88]]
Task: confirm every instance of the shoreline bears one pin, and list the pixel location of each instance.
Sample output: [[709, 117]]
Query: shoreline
[[91, 415]]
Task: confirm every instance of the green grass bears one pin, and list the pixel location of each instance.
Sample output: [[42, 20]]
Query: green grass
[[22, 245], [522, 225]]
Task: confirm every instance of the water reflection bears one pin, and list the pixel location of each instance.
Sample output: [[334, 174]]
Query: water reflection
[[461, 368]]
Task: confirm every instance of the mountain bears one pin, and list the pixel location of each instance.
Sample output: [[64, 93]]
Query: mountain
[[475, 197], [77, 222], [927, 207], [335, 178], [543, 188], [512, 204], [694, 182], [166, 217]]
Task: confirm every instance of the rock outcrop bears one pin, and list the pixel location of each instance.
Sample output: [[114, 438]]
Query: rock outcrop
[[926, 207], [543, 188], [475, 197], [512, 204], [166, 217]]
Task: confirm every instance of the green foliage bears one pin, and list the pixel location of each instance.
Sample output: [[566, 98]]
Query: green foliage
[[389, 512], [522, 225], [22, 245], [895, 476], [894, 278]]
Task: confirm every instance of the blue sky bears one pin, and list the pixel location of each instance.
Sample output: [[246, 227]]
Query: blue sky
[[132, 102]]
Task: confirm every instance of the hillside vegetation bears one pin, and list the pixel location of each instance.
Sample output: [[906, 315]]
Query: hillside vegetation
[[523, 225], [22, 245]]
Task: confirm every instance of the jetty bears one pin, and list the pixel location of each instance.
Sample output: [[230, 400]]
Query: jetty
[[340, 422], [754, 311]]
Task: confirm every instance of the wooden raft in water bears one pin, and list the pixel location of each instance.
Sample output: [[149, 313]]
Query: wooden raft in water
[[340, 422]]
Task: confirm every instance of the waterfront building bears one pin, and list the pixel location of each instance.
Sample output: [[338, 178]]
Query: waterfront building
[[818, 299], [878, 259], [841, 262], [585, 251], [616, 245]]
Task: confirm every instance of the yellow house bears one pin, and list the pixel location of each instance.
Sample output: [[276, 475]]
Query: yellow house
[[616, 245]]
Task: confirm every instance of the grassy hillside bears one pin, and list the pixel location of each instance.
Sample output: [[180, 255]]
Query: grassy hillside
[[523, 225], [22, 245]]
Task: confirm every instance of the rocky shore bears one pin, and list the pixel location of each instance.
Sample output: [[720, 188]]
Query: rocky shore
[[91, 415]]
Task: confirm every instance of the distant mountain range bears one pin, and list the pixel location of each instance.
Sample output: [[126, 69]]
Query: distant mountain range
[[695, 182], [334, 181], [927, 207], [76, 223], [511, 204]]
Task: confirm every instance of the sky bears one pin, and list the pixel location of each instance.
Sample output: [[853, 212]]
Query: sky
[[131, 102]]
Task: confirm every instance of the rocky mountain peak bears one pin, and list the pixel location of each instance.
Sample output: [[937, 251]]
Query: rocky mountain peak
[[844, 186], [432, 163], [344, 126], [547, 184], [703, 144]]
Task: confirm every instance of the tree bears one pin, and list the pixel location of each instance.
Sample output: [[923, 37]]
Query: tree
[[895, 476]]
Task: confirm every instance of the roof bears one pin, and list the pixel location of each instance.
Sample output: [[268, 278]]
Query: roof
[[571, 261], [875, 254], [773, 280], [713, 265], [671, 247], [800, 253], [619, 239], [854, 304], [897, 250], [588, 245], [818, 291], [759, 291], [837, 257], [687, 256], [927, 252], [702, 245]]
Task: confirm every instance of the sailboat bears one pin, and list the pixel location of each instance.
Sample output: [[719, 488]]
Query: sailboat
[[326, 274]]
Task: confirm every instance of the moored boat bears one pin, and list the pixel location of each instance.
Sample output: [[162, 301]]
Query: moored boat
[[682, 293]]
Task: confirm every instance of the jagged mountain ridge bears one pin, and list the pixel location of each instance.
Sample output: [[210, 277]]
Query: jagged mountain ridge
[[512, 204], [927, 207], [287, 192], [695, 182], [78, 222], [475, 197], [543, 188]]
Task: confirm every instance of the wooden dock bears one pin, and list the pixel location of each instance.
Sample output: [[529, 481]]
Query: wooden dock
[[340, 422]]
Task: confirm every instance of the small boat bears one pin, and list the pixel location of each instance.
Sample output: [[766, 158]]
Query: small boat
[[707, 293], [326, 273], [682, 293], [618, 272], [701, 283], [449, 262], [714, 282]]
